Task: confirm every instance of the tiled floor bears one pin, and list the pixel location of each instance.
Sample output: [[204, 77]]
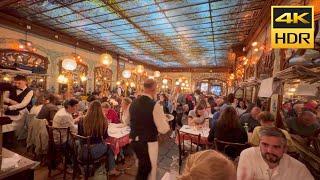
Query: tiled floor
[[167, 149]]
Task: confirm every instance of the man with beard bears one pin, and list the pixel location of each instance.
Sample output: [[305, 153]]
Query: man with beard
[[269, 160]]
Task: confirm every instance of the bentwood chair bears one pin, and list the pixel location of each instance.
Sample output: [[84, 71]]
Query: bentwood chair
[[82, 156], [183, 151], [232, 150], [58, 150], [314, 142]]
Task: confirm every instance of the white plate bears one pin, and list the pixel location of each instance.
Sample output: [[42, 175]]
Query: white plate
[[169, 117]]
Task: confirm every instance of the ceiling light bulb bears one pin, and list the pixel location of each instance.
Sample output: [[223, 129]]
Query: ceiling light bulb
[[157, 74], [6, 78], [254, 44], [165, 81]]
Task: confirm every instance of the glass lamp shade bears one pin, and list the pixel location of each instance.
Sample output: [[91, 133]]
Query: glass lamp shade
[[126, 74], [165, 81], [139, 69], [157, 74], [69, 64], [106, 59]]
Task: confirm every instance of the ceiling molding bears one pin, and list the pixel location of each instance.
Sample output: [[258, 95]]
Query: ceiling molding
[[22, 24]]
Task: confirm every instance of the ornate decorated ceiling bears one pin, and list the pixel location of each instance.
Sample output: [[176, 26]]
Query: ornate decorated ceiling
[[163, 33]]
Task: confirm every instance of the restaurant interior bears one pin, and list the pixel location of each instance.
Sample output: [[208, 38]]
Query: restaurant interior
[[104, 50]]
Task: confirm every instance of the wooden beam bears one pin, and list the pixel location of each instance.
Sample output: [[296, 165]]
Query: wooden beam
[[212, 69], [5, 3], [261, 23]]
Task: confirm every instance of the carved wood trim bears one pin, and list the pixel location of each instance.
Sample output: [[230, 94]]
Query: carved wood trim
[[82, 69], [11, 58], [265, 64], [102, 78]]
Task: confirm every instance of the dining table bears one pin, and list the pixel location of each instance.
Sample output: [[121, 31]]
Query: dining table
[[118, 136], [15, 166], [194, 132]]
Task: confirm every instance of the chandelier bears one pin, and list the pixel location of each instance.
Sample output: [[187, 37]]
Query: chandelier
[[106, 59]]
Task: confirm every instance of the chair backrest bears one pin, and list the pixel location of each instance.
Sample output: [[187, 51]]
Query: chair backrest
[[315, 142], [232, 150], [81, 147], [56, 135]]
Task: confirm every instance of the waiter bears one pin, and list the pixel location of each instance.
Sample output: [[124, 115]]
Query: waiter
[[146, 120], [17, 103]]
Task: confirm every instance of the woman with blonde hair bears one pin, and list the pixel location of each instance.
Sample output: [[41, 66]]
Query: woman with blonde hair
[[125, 105], [208, 165], [94, 124]]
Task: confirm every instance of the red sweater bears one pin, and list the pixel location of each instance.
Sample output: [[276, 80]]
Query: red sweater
[[111, 115]]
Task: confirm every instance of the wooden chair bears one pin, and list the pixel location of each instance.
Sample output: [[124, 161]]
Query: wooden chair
[[183, 152], [230, 149], [57, 148], [82, 146], [314, 142]]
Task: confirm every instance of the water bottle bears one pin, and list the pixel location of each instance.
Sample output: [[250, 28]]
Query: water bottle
[[246, 127]]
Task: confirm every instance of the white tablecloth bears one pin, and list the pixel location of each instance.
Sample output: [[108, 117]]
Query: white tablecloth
[[118, 130], [191, 130]]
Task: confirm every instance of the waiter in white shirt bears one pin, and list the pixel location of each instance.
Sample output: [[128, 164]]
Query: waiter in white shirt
[[17, 103], [146, 120]]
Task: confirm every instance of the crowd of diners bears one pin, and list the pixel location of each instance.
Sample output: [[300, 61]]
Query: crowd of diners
[[230, 119]]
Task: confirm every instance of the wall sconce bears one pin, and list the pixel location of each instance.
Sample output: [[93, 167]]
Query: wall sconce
[[139, 69], [83, 78], [165, 81], [62, 79]]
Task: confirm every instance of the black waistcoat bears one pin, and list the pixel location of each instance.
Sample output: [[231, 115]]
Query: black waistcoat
[[18, 98], [141, 120]]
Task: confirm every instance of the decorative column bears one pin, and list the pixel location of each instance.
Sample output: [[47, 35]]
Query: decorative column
[[276, 68]]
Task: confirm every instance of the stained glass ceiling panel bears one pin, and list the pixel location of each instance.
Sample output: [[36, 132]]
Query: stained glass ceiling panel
[[166, 33]]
